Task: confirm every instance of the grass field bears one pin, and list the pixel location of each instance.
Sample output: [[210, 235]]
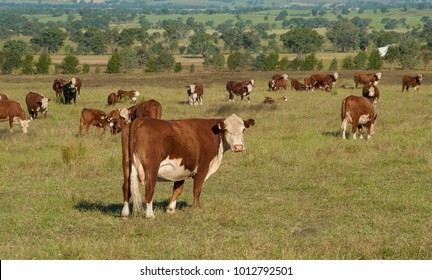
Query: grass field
[[298, 191]]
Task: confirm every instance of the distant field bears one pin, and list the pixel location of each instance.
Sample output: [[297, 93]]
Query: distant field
[[298, 191]]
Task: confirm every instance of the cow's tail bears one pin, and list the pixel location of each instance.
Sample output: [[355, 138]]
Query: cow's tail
[[343, 118], [134, 165]]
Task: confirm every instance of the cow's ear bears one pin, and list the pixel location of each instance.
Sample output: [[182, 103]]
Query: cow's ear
[[219, 127], [39, 103], [248, 123]]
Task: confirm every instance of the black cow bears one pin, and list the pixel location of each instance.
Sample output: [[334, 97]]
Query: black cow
[[69, 93]]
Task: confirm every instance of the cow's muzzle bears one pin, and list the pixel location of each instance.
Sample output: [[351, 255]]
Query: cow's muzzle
[[238, 148]]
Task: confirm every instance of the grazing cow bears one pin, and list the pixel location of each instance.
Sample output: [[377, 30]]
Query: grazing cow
[[366, 78], [308, 84], [295, 84], [408, 81], [160, 150], [358, 111], [195, 93], [243, 89], [36, 103], [372, 92], [146, 109], [13, 112], [323, 81], [69, 93], [280, 76], [112, 98], [129, 94], [58, 87], [115, 121], [252, 82], [270, 100], [271, 85], [3, 97], [92, 117], [77, 83]]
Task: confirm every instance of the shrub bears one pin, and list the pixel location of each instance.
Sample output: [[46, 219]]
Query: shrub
[[70, 65], [178, 67], [43, 63]]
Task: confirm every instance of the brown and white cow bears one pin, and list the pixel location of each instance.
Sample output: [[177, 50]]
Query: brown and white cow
[[307, 83], [13, 112], [112, 98], [58, 87], [280, 76], [195, 93], [243, 89], [414, 82], [76, 82], [160, 150], [323, 81], [270, 100], [372, 92], [129, 94], [296, 85], [3, 97], [37, 103], [146, 109], [115, 121], [358, 111], [93, 117], [366, 78]]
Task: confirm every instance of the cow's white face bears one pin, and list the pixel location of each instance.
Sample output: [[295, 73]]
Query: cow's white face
[[249, 88], [24, 125], [44, 105], [420, 77], [371, 92], [378, 75], [285, 76], [234, 127], [335, 75], [191, 89], [136, 93]]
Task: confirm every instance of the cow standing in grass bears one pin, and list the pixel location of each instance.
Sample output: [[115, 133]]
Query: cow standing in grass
[[37, 103], [195, 93], [13, 112], [92, 117], [414, 82]]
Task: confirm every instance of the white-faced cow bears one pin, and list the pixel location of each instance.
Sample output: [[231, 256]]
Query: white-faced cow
[[358, 111], [160, 150], [323, 81], [112, 98], [243, 89], [76, 82], [372, 92], [296, 85], [129, 94], [69, 93], [414, 82], [13, 112], [195, 93], [366, 78], [37, 103], [3, 97], [115, 121], [93, 117], [58, 87]]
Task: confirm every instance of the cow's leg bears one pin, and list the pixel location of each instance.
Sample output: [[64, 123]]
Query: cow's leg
[[11, 123], [149, 191], [87, 128], [197, 188], [369, 131], [360, 130], [177, 190], [354, 129], [343, 128]]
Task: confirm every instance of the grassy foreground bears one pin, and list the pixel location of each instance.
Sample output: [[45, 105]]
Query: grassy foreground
[[298, 191]]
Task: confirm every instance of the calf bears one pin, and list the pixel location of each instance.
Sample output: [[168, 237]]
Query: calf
[[195, 93], [414, 82], [358, 111], [160, 150], [323, 81], [112, 98], [271, 85], [308, 84], [366, 78], [129, 94], [92, 117], [115, 121], [270, 100], [36, 103], [13, 112], [295, 84], [58, 87], [147, 109], [3, 97], [243, 89]]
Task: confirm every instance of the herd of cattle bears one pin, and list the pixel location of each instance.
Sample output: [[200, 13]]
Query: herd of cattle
[[160, 150]]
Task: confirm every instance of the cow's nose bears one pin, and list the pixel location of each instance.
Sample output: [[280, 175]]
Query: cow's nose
[[238, 148]]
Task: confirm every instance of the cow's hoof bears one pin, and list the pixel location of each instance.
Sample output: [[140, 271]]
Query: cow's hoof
[[170, 211]]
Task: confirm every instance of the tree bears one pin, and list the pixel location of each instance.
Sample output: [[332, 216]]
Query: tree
[[282, 15], [93, 41], [128, 58], [344, 35], [43, 63], [50, 40], [201, 43], [426, 56], [114, 64], [233, 39], [347, 63], [375, 61], [27, 65], [360, 60], [302, 40], [309, 62], [165, 61], [238, 61], [214, 60], [9, 62], [392, 55], [18, 46], [333, 64], [409, 53], [70, 65]]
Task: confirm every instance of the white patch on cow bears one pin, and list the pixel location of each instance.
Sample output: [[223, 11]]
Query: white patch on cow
[[378, 75], [134, 187], [24, 125], [125, 114], [136, 93], [249, 88], [285, 76], [149, 210], [375, 83], [364, 119], [371, 92], [171, 207], [216, 162], [192, 88], [335, 75], [252, 82], [125, 210], [44, 105], [233, 134], [134, 98], [416, 87], [343, 128], [173, 170]]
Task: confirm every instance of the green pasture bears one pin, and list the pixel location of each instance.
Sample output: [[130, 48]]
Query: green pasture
[[298, 191]]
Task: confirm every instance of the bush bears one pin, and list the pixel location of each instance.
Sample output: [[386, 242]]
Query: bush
[[178, 67], [86, 69], [333, 64], [27, 65], [347, 63], [192, 68], [72, 153], [70, 65], [43, 63], [114, 64]]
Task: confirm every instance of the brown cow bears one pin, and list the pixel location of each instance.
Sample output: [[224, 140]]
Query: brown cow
[[308, 84], [36, 103], [358, 111], [76, 82], [280, 76], [129, 94], [366, 78], [92, 117], [243, 89], [160, 150], [195, 93], [58, 87], [145, 109], [3, 97], [112, 98], [270, 100], [13, 112], [372, 92], [323, 81], [408, 81], [295, 84], [115, 121]]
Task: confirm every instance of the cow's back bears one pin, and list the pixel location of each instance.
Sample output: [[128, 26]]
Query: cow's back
[[10, 108], [150, 109]]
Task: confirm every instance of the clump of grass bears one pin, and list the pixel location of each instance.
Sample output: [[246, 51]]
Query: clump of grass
[[71, 153]]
